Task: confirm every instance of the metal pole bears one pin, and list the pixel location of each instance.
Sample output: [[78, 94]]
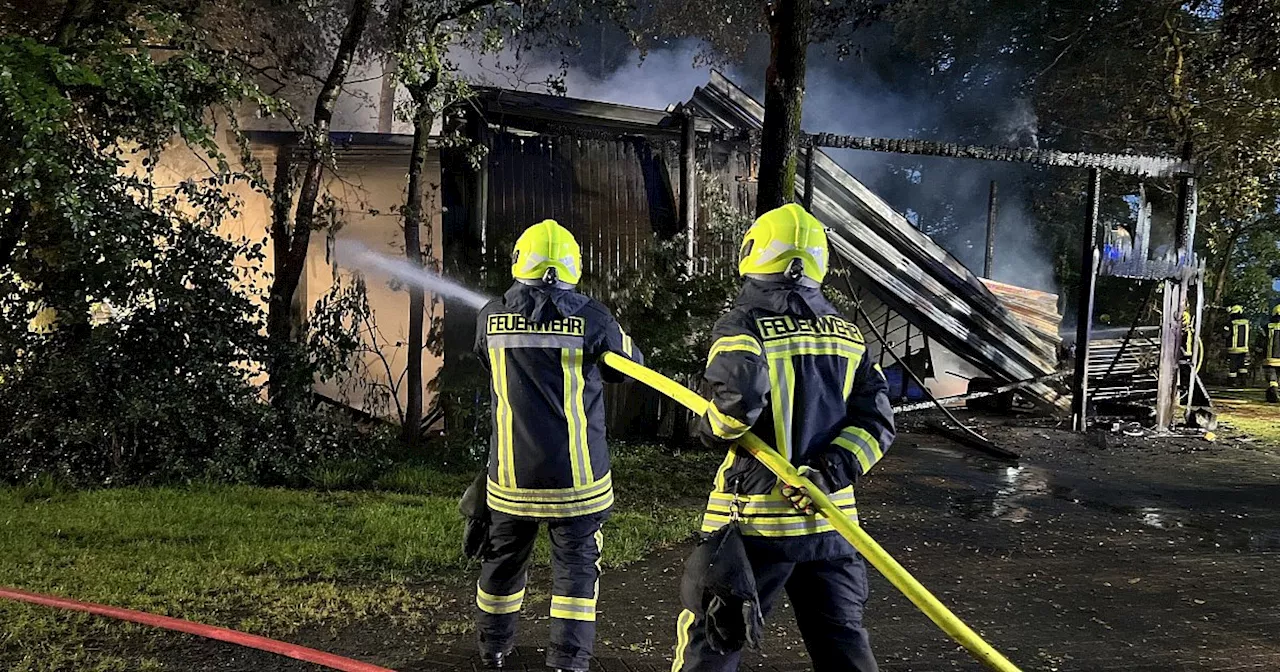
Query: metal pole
[[991, 233], [689, 188], [1084, 308], [808, 178]]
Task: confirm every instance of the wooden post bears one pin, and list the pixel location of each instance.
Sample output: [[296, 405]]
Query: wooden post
[[1175, 302], [478, 133], [991, 233], [1084, 301], [1167, 381], [689, 188], [1185, 224], [808, 177]]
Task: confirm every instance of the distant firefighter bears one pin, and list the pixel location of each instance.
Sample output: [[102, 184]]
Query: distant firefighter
[[1237, 344], [1272, 357]]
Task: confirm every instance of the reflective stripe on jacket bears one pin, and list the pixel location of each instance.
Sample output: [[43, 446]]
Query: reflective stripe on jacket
[[1239, 344], [785, 365], [547, 456]]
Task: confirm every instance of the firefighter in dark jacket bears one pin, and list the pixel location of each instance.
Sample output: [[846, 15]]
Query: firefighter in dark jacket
[[548, 462], [785, 365], [1271, 358], [1238, 344]]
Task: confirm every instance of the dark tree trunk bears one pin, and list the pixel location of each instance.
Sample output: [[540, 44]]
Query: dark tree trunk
[[422, 120], [1220, 286], [14, 224], [390, 63], [783, 101], [290, 258], [65, 31]]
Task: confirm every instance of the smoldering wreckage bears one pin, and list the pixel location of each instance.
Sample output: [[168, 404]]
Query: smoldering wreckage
[[622, 174]]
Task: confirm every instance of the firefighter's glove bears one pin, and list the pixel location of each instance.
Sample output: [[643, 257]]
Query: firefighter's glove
[[799, 496], [475, 509]]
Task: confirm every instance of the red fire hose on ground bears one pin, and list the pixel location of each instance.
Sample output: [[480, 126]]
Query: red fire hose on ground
[[294, 651]]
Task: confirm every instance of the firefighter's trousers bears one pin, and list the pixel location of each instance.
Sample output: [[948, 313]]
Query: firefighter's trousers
[[1238, 368], [828, 597], [1273, 383], [575, 584]]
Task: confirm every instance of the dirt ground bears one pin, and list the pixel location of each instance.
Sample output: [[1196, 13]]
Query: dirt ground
[[1102, 552]]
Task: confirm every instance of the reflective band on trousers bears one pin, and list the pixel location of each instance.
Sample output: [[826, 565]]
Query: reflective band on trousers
[[573, 608], [499, 604]]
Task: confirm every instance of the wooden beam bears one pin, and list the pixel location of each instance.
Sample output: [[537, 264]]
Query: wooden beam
[[1167, 374], [510, 107], [478, 198], [1128, 164], [989, 258]]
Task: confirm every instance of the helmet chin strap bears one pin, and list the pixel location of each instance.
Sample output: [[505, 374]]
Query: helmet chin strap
[[793, 275], [548, 279], [795, 270]]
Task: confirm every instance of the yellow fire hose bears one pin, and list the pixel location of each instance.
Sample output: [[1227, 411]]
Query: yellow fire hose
[[877, 556]]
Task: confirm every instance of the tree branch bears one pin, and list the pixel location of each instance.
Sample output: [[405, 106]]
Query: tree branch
[[466, 8]]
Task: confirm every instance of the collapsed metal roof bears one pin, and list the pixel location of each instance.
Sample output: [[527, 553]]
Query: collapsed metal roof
[[899, 264]]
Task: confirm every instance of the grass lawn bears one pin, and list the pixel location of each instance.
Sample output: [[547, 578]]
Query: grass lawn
[[271, 561], [1247, 412]]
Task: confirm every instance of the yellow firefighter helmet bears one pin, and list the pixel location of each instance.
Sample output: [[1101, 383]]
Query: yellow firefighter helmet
[[547, 251], [1235, 310], [788, 242]]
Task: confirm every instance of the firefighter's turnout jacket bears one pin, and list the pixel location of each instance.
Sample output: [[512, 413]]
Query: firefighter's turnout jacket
[[786, 365], [1238, 344], [547, 454], [1273, 342]]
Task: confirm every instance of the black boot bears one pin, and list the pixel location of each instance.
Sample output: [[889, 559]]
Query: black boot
[[496, 661]]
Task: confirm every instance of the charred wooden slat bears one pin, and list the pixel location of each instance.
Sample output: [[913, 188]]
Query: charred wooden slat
[[1128, 164]]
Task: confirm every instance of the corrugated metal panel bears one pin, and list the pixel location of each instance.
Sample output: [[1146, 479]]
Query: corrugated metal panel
[[611, 193]]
